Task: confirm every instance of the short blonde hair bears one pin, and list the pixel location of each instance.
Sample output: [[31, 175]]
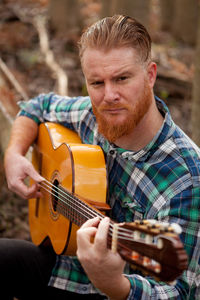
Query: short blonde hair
[[115, 32]]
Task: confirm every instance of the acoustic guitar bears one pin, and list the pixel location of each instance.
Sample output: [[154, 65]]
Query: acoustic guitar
[[74, 190]]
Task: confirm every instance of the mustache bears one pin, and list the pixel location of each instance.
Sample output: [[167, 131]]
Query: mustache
[[113, 106]]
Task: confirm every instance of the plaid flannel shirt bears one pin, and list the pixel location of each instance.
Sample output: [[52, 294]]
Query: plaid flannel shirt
[[161, 181]]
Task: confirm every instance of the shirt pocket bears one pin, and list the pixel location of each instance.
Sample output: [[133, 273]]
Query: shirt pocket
[[125, 205]]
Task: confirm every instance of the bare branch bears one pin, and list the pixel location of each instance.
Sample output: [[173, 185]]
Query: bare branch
[[12, 79], [62, 79]]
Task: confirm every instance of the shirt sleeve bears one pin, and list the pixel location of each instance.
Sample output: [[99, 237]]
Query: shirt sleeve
[[183, 209], [54, 108]]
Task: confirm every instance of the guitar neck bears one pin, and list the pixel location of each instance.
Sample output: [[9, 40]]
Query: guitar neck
[[72, 207]]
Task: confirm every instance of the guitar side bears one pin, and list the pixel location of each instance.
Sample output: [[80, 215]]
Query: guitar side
[[61, 158]]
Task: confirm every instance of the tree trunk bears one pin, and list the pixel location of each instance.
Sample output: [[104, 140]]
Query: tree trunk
[[185, 20], [65, 16], [138, 9], [167, 14], [196, 92]]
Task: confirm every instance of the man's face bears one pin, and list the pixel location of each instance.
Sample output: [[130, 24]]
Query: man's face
[[120, 88]]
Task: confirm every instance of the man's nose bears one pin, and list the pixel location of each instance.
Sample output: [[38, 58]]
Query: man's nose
[[110, 92]]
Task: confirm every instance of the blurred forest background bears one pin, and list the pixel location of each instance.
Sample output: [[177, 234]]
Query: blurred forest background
[[38, 54]]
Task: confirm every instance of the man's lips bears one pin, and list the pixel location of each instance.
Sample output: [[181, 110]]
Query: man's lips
[[113, 110]]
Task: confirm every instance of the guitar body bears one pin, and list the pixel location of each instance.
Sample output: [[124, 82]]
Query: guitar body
[[61, 158]]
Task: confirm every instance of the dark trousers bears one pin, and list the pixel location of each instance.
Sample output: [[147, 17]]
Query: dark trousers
[[25, 270]]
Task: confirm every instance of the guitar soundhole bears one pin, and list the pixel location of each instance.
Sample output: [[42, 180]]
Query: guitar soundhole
[[55, 194], [54, 200]]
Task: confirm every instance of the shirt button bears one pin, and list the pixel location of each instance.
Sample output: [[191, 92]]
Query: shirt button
[[112, 152]]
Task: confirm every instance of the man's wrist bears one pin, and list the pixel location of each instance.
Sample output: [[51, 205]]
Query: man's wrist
[[118, 289]]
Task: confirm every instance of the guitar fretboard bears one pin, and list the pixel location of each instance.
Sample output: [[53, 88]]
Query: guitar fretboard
[[69, 205]]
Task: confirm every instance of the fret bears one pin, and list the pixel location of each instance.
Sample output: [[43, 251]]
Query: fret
[[73, 208]]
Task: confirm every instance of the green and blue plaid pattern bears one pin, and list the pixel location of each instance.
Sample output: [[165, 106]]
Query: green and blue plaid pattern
[[161, 181]]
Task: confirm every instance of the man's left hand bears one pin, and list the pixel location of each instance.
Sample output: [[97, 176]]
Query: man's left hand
[[103, 267]]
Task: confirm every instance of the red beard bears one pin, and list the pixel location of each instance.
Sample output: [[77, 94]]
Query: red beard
[[112, 131]]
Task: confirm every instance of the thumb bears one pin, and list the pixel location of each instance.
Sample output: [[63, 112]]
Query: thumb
[[34, 174]]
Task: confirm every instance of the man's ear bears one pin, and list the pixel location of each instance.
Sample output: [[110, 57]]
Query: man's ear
[[151, 73]]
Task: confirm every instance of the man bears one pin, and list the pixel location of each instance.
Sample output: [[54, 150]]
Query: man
[[153, 173]]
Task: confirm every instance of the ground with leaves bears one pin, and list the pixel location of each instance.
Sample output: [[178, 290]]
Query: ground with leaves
[[19, 49]]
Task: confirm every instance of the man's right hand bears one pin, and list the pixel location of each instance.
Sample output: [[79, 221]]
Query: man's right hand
[[18, 169]]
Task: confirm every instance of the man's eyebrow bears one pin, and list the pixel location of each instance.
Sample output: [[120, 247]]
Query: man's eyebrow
[[94, 78], [126, 71], [122, 73]]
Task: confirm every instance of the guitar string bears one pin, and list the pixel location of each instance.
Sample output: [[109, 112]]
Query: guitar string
[[71, 199], [71, 211], [84, 206], [121, 235], [121, 229], [124, 232]]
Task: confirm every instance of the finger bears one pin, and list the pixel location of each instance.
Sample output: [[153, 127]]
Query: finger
[[38, 194], [91, 222], [30, 171], [32, 191], [84, 237], [26, 192], [102, 233]]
